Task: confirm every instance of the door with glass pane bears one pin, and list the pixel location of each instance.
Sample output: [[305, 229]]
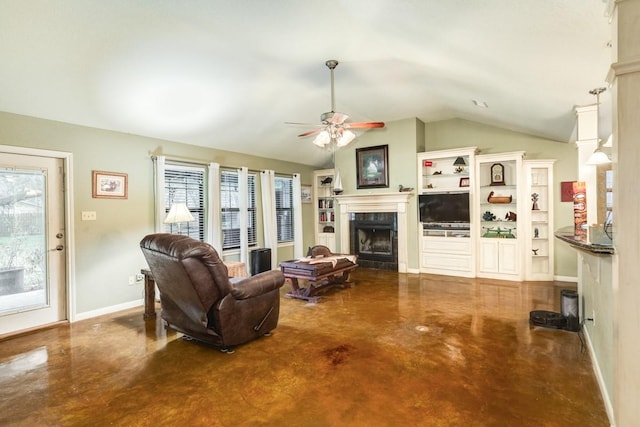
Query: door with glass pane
[[32, 237]]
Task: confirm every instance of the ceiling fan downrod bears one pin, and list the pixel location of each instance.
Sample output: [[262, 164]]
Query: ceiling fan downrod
[[332, 64]]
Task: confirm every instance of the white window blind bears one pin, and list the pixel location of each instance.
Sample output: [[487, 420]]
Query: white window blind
[[185, 184], [284, 208], [229, 194]]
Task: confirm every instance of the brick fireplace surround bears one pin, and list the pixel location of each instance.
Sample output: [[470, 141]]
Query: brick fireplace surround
[[381, 202]]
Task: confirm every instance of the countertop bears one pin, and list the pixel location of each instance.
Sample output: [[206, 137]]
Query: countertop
[[566, 234]]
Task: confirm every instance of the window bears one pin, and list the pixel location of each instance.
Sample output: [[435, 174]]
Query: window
[[229, 194], [284, 208], [605, 193], [185, 184]]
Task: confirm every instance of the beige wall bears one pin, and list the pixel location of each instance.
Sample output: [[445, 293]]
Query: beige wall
[[404, 138], [107, 250]]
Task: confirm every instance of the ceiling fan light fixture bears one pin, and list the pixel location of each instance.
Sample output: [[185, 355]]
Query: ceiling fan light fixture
[[346, 137], [335, 128], [322, 139]]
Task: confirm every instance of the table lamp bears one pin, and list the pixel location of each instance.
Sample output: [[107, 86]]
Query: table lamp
[[178, 214]]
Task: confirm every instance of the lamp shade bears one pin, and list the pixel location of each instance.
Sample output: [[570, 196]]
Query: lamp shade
[[322, 139], [346, 137], [178, 213], [598, 158], [459, 162]]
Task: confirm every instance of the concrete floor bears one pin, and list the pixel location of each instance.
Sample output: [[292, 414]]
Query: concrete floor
[[393, 350]]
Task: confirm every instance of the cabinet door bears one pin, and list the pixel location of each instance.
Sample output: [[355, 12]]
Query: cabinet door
[[508, 256], [328, 240], [489, 255]]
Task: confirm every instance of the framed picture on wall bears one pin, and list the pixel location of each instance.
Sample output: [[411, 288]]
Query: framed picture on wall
[[372, 166], [109, 185], [306, 193]]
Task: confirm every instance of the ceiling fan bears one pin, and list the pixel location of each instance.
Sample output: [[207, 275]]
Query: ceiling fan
[[334, 126]]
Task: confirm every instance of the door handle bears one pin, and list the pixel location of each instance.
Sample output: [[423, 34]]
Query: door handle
[[59, 248]]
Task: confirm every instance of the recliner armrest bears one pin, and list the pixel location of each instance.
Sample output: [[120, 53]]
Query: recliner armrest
[[257, 285]]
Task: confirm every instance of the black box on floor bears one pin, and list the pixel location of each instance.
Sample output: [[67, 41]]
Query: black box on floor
[[260, 260], [547, 319]]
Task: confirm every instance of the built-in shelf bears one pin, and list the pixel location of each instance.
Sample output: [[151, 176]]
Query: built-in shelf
[[445, 247], [324, 209]]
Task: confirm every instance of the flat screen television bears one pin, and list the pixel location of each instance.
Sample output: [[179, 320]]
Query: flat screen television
[[444, 208]]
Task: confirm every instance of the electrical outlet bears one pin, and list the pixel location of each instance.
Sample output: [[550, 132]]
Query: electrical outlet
[[88, 215], [132, 280]]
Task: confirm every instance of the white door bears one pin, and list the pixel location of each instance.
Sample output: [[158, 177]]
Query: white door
[[32, 239]]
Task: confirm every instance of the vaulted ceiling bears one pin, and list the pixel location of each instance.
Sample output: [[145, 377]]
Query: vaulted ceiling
[[229, 74]]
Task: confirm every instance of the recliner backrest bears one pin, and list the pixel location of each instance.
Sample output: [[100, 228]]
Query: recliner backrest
[[187, 271]]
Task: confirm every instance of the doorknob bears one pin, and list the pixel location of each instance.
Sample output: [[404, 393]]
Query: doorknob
[[59, 248]]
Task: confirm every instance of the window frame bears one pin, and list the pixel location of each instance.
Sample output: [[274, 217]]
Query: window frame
[[284, 214], [252, 217], [196, 229]]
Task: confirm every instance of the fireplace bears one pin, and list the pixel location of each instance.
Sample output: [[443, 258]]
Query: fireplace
[[374, 238], [395, 203]]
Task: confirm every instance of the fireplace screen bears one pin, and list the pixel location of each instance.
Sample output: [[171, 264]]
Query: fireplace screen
[[375, 241]]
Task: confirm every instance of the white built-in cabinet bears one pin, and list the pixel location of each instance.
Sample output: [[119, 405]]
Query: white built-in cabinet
[[500, 210], [539, 254], [447, 247], [324, 208]]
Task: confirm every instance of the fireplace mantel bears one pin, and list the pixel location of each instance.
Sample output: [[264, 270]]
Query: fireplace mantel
[[380, 202]]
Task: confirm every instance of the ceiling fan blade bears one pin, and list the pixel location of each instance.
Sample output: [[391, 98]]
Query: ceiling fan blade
[[334, 124], [311, 132], [338, 118], [364, 125], [304, 124]]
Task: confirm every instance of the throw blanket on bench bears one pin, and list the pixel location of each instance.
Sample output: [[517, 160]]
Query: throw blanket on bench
[[333, 259]]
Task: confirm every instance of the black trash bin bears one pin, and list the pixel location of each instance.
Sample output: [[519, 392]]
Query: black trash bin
[[260, 260], [569, 309]]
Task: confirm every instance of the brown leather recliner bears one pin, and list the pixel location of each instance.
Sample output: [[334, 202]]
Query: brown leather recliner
[[200, 300]]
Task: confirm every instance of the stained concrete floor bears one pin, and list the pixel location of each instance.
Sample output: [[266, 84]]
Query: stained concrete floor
[[393, 350]]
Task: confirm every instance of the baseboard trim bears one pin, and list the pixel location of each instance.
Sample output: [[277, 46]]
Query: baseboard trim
[[108, 310], [608, 404], [565, 279]]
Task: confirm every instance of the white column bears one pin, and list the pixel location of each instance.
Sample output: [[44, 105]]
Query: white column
[[587, 143], [626, 208]]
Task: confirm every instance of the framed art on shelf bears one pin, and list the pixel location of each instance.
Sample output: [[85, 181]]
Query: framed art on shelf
[[109, 185], [372, 165], [464, 182], [306, 193]]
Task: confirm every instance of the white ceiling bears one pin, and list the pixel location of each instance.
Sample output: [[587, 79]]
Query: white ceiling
[[229, 74]]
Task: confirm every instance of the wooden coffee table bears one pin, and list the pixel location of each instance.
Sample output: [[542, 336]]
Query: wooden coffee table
[[320, 274]]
